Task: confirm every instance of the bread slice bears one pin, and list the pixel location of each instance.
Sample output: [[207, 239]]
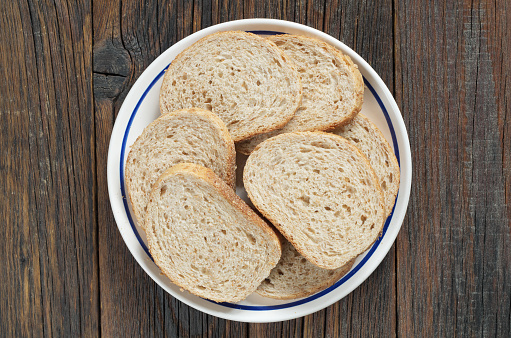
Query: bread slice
[[371, 142], [295, 277], [188, 135], [243, 78], [333, 88], [320, 192], [205, 238]]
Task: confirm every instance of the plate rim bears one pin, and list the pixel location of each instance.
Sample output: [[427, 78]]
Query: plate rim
[[382, 247]]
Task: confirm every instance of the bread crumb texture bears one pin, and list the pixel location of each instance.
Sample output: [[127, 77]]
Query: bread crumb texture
[[320, 192], [333, 88], [189, 135], [203, 240], [243, 78], [295, 277]]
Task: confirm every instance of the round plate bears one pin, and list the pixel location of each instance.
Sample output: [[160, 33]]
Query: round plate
[[141, 106]]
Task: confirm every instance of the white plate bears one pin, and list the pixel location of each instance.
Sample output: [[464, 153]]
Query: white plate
[[141, 107]]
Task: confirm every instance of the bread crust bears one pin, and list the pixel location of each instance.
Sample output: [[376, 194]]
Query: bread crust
[[246, 147], [311, 288], [270, 45], [230, 164], [288, 235], [228, 194], [359, 90], [391, 194]]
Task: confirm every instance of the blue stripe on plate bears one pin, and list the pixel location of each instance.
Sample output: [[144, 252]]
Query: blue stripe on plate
[[352, 272]]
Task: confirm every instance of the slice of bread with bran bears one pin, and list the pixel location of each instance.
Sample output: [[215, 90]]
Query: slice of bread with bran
[[187, 135], [205, 238], [295, 277], [371, 142], [243, 78], [333, 88], [320, 192]]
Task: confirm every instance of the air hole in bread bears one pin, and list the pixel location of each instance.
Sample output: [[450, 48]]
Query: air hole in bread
[[317, 171], [328, 208], [310, 237], [390, 177], [280, 272], [363, 218], [321, 145], [337, 213], [225, 233], [384, 185], [200, 287], [305, 199], [258, 83], [303, 260], [346, 207], [251, 238]]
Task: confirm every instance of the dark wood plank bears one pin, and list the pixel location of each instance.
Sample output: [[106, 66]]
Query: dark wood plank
[[453, 253], [130, 300], [21, 313], [50, 281]]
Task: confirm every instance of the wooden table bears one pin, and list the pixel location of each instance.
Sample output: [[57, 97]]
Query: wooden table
[[66, 68]]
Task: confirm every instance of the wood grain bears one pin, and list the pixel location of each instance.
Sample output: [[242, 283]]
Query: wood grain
[[453, 256], [50, 281], [69, 65]]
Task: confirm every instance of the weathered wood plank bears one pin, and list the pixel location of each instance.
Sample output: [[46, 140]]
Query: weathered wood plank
[[51, 232], [21, 313], [130, 300], [458, 229]]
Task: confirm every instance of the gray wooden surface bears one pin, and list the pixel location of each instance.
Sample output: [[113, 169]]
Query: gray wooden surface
[[66, 68]]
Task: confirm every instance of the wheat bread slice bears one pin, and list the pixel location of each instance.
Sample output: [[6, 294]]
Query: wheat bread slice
[[205, 238], [295, 277], [188, 135], [333, 88], [320, 192], [243, 78], [371, 142]]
